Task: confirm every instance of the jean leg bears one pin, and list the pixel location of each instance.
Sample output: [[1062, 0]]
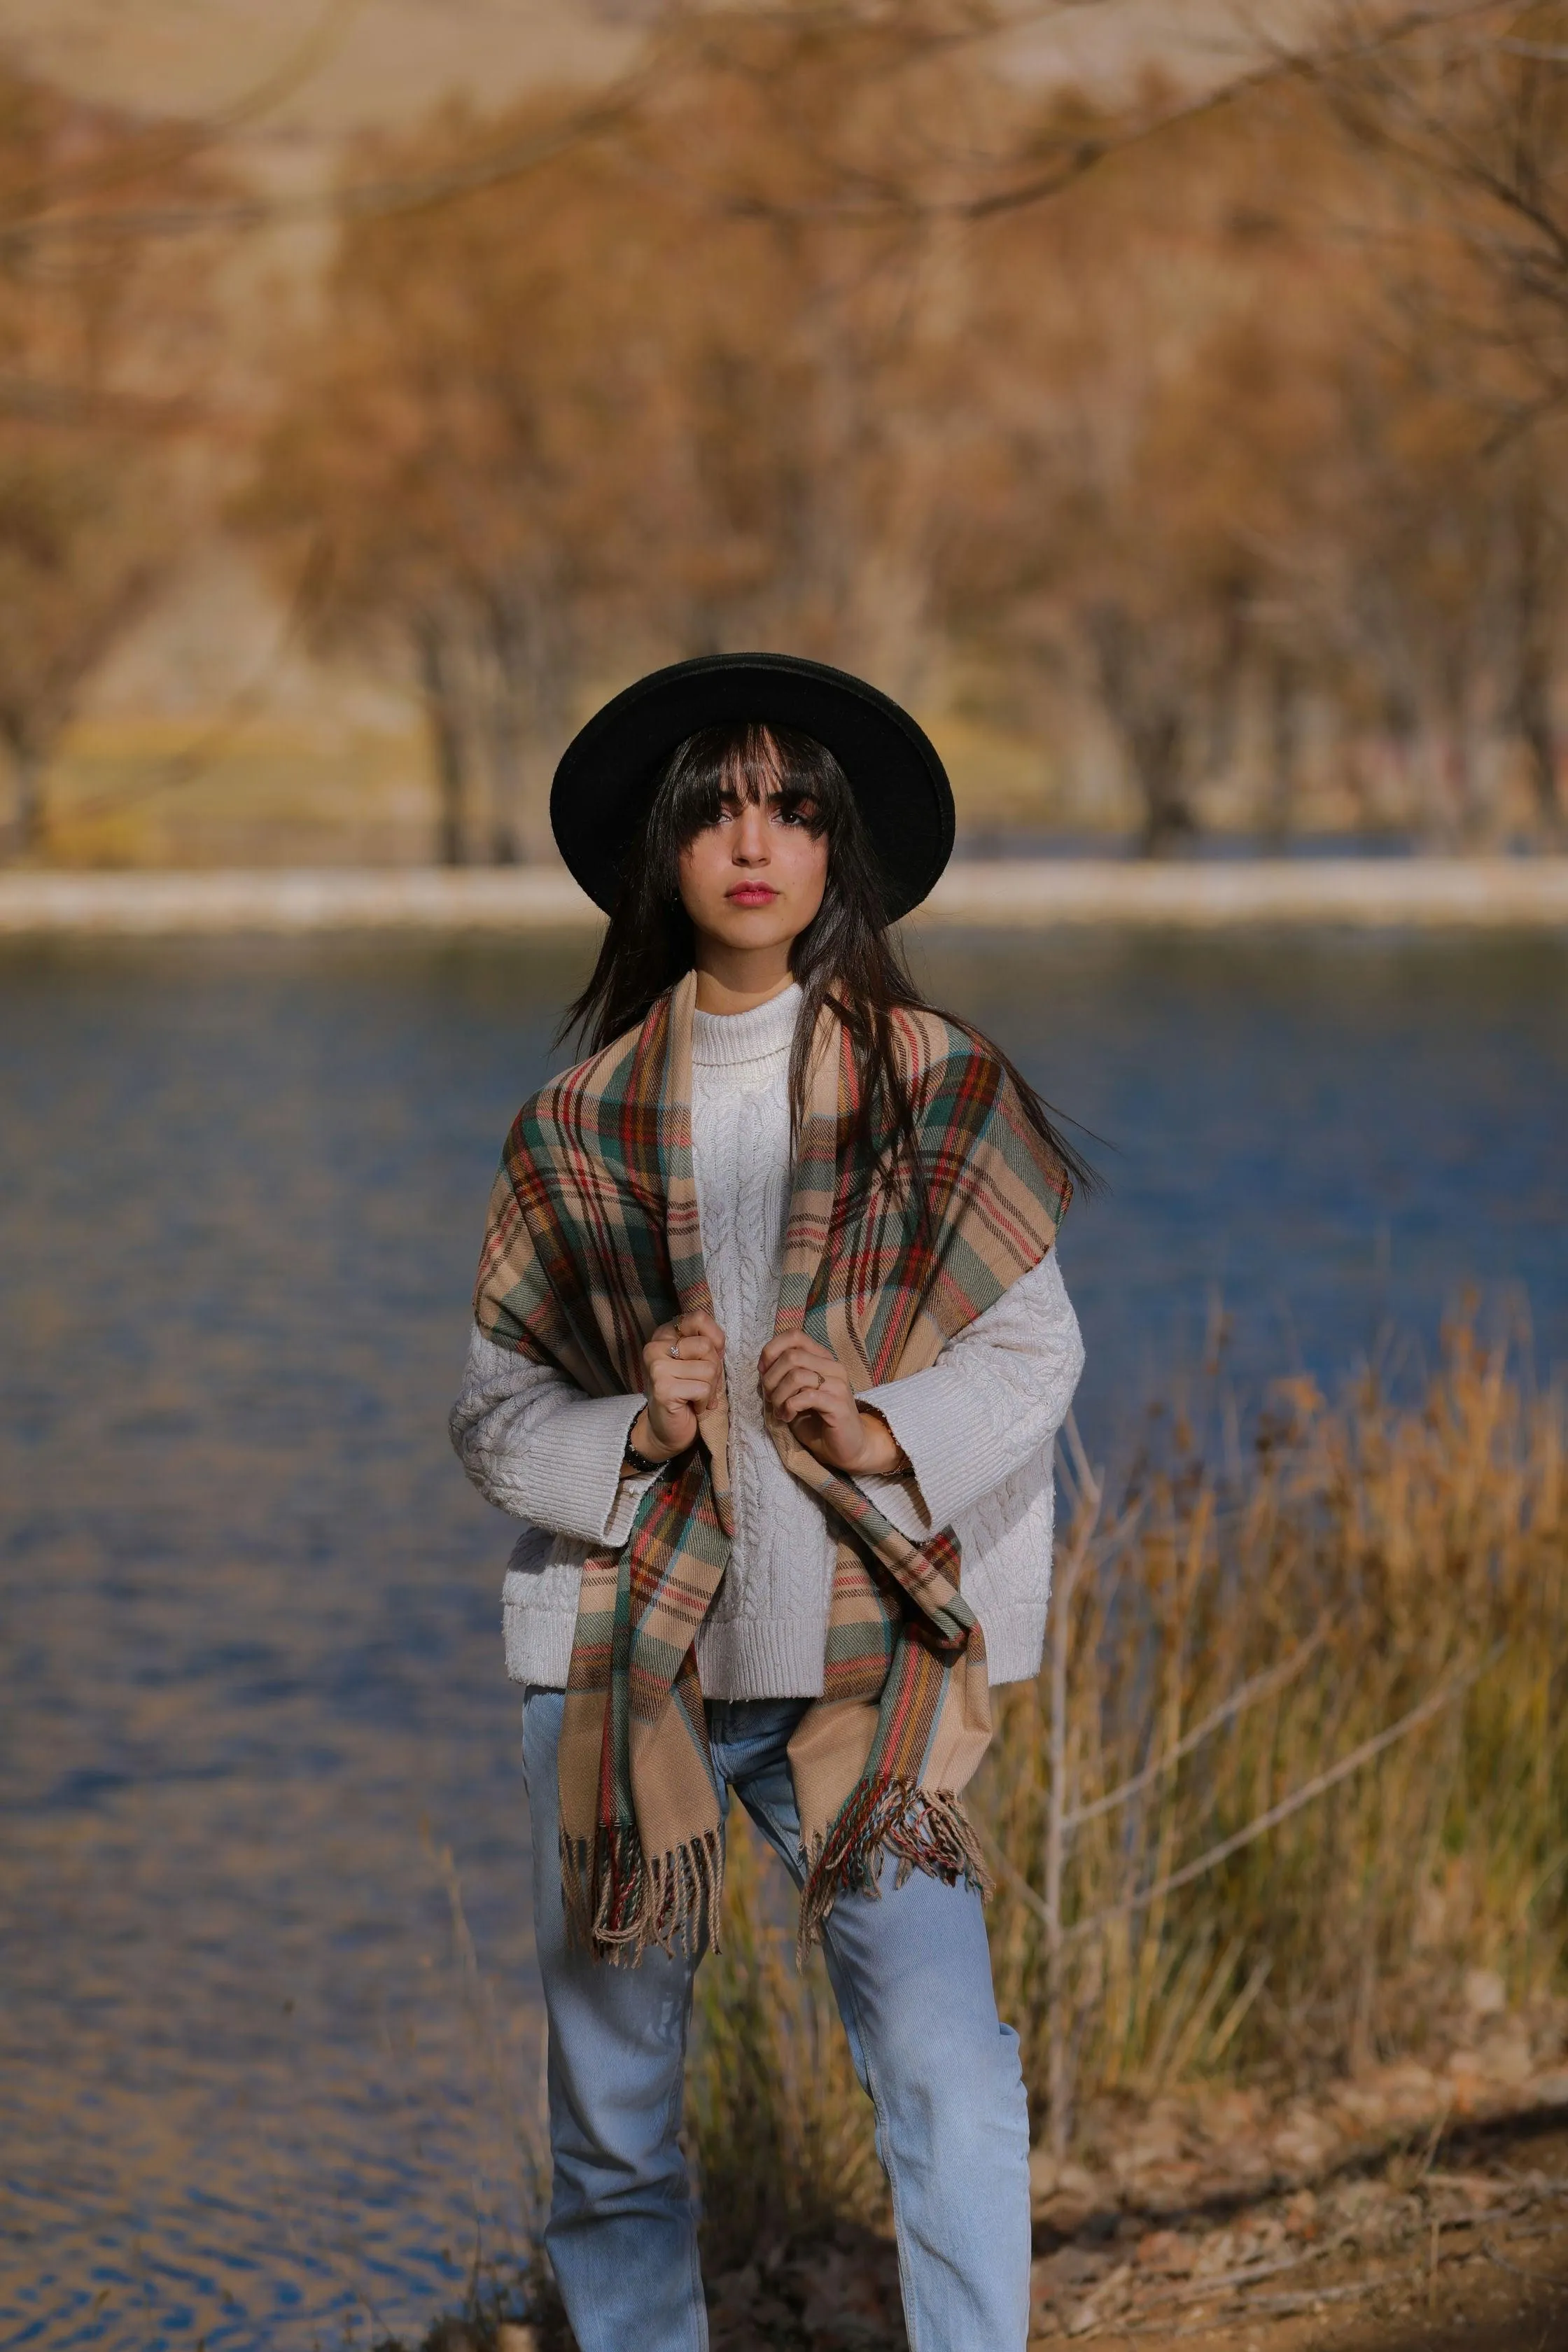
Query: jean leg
[[622, 2235], [910, 1969]]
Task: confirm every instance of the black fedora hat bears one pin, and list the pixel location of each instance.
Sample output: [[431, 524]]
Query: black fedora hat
[[609, 771]]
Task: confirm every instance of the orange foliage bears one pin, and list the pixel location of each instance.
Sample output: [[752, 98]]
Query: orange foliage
[[102, 343], [1214, 445]]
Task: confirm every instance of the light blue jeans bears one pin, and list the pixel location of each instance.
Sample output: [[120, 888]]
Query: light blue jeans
[[912, 1974]]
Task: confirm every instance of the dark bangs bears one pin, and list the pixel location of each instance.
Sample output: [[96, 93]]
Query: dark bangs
[[752, 764]]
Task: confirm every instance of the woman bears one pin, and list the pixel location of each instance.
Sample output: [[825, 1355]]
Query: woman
[[771, 1348]]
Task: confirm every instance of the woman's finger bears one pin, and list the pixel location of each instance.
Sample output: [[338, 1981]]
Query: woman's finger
[[829, 1377], [682, 1378], [804, 1396], [817, 1363], [687, 1372], [704, 1339], [682, 1347], [707, 1369], [690, 1352], [796, 1344]]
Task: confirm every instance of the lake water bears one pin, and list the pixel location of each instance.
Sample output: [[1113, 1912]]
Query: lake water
[[255, 1736]]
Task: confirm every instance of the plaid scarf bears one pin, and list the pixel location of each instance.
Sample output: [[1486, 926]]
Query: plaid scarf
[[592, 1242]]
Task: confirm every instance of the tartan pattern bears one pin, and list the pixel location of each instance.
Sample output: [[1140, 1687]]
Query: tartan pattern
[[593, 1240]]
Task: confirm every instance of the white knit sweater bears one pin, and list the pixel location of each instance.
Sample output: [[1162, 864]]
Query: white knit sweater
[[978, 1426]]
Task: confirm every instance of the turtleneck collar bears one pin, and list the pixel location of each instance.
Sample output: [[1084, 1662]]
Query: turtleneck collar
[[728, 1038]]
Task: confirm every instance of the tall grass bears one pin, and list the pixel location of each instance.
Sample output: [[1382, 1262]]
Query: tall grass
[[1296, 1760]]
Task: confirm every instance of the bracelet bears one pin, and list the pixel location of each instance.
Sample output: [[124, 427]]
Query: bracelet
[[639, 1463], [902, 1466]]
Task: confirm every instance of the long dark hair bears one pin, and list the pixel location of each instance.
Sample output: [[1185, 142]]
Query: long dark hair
[[845, 957]]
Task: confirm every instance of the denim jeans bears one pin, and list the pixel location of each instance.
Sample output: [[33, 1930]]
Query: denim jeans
[[911, 1973]]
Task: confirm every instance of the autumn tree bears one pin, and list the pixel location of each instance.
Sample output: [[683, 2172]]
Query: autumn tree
[[835, 338], [1465, 125], [464, 459], [1131, 471], [656, 394], [102, 340], [1214, 477], [820, 356]]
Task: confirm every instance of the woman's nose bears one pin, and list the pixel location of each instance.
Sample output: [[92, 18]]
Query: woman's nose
[[751, 835]]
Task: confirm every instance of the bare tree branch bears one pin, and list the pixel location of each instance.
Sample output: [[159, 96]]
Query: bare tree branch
[[181, 142], [515, 159], [41, 402], [366, 199]]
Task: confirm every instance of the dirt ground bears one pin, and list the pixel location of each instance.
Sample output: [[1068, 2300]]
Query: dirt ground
[[1461, 2243], [1412, 2210], [1469, 2251]]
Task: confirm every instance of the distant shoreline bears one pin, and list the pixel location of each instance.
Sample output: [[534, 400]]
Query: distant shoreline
[[1024, 894]]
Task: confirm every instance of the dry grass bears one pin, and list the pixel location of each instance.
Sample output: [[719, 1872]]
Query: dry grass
[[1377, 1580]]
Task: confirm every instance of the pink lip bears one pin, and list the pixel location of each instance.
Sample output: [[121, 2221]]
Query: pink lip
[[751, 894]]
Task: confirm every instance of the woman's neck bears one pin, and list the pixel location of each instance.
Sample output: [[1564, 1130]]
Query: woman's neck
[[740, 983]]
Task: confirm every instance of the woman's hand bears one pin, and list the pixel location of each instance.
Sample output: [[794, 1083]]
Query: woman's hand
[[807, 1386], [682, 1375]]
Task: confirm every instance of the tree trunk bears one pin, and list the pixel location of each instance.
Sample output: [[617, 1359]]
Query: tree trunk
[[444, 712], [1473, 813], [1158, 762], [503, 749], [535, 652], [1284, 746], [28, 822], [1146, 703], [1229, 683], [1539, 738], [1533, 658]]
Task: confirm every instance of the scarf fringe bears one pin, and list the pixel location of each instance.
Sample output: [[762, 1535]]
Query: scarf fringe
[[620, 1904], [927, 1829]]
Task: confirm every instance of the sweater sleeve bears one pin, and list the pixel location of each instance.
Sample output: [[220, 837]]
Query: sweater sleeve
[[996, 1395], [537, 1447]]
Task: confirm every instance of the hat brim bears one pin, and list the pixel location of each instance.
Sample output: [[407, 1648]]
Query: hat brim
[[609, 771]]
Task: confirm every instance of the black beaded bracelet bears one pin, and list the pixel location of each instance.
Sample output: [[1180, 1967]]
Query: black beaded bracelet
[[639, 1462]]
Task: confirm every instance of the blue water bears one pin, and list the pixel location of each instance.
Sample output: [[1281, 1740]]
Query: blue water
[[1320, 1144], [253, 1732]]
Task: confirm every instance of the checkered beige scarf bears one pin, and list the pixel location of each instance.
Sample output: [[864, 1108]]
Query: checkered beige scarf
[[592, 1242]]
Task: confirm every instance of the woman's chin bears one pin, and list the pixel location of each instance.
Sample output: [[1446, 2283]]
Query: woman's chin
[[751, 929]]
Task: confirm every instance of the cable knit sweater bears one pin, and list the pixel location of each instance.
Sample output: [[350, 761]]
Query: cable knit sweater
[[978, 1426]]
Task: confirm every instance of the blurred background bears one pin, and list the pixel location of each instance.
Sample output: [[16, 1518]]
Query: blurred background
[[1166, 403], [1169, 404]]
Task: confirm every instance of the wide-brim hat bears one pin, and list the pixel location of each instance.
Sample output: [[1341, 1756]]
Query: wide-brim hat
[[608, 773]]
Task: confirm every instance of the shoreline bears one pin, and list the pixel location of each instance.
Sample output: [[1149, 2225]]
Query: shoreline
[[1461, 893]]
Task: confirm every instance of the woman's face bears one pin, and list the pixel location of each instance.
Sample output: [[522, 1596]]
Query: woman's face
[[755, 878]]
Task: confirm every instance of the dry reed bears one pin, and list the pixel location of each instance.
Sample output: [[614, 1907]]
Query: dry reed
[[1296, 1760]]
